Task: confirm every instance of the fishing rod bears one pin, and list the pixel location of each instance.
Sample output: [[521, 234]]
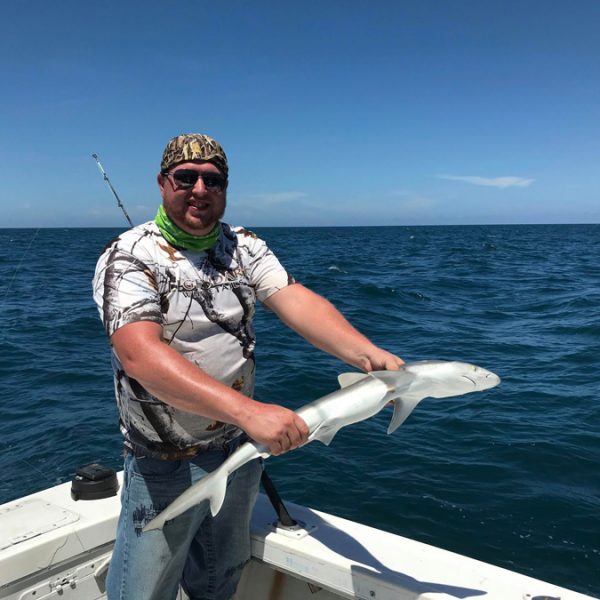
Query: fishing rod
[[112, 189]]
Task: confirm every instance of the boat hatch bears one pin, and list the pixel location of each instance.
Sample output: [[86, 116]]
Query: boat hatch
[[29, 518]]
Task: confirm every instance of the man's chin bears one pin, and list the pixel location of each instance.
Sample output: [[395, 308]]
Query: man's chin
[[198, 225], [199, 228]]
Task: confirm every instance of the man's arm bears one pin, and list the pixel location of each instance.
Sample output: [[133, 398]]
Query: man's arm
[[320, 323], [168, 376]]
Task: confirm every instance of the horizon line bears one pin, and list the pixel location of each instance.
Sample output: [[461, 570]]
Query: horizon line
[[313, 226]]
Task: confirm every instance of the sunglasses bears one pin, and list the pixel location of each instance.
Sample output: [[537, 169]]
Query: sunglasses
[[186, 179]]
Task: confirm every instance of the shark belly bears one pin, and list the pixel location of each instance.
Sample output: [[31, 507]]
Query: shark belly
[[326, 416]]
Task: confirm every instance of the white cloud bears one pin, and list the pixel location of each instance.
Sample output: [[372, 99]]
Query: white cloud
[[498, 182]]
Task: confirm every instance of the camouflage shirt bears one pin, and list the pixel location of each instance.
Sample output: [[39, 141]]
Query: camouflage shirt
[[204, 302]]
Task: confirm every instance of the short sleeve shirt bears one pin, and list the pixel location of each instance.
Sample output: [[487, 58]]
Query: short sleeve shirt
[[204, 302]]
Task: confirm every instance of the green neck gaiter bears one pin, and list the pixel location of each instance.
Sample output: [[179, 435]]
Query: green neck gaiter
[[182, 239]]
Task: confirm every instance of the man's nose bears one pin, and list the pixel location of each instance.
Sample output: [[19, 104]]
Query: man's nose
[[199, 187]]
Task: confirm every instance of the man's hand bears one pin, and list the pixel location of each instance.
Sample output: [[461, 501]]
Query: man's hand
[[276, 427], [379, 360]]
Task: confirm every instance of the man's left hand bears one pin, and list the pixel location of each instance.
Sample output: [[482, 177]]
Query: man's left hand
[[378, 359]]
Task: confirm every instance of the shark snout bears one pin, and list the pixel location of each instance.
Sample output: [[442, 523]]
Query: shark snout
[[492, 379], [486, 379], [481, 379]]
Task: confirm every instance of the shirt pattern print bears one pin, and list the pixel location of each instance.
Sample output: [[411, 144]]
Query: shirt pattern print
[[204, 302]]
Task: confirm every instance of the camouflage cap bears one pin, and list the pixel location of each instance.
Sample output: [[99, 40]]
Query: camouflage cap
[[194, 146]]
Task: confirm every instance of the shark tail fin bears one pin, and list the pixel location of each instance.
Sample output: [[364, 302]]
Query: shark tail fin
[[212, 488], [402, 409], [215, 491]]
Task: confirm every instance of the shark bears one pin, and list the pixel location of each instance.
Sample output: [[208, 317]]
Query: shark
[[361, 396]]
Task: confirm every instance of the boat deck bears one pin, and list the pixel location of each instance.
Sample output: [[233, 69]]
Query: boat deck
[[54, 547]]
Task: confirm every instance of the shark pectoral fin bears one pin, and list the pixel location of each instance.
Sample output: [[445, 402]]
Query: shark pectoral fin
[[324, 434], [402, 409], [347, 379]]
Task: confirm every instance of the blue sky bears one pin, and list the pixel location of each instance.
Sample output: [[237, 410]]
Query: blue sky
[[335, 112]]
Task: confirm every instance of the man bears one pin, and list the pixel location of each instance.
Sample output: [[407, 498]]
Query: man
[[177, 296]]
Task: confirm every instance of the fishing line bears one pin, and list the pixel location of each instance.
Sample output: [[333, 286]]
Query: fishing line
[[119, 204], [18, 267], [22, 460]]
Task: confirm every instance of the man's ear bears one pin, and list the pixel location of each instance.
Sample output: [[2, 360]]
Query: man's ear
[[160, 179]]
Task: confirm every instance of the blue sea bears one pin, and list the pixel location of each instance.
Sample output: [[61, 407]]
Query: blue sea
[[510, 476]]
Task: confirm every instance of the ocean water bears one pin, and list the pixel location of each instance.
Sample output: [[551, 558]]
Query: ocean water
[[510, 476]]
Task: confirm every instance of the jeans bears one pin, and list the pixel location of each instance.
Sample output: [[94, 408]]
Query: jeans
[[205, 554]]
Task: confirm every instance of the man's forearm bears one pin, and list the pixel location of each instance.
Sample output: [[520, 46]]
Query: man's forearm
[[321, 324], [168, 376]]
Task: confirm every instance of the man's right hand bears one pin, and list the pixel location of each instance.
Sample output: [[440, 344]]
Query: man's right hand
[[276, 427]]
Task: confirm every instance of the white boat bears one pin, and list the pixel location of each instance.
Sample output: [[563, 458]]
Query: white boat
[[54, 547]]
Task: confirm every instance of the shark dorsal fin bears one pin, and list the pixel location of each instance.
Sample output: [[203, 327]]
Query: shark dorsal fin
[[346, 379]]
